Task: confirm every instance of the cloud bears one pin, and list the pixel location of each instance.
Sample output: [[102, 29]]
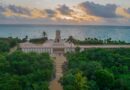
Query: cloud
[[36, 13], [1, 9], [128, 10], [64, 10], [19, 10], [50, 13], [16, 11], [84, 12], [12, 10], [106, 11], [123, 12]]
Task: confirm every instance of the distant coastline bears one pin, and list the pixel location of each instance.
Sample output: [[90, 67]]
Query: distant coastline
[[64, 25], [77, 31]]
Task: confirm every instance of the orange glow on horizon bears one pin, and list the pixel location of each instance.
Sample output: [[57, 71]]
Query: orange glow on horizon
[[122, 12]]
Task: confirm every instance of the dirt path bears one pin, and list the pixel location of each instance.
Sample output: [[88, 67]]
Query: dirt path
[[13, 49], [54, 84]]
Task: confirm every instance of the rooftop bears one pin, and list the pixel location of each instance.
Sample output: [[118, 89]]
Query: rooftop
[[47, 44]]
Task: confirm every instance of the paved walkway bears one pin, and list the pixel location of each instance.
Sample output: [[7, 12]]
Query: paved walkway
[[13, 49], [59, 61]]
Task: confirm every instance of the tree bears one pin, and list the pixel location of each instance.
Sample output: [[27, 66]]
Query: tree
[[44, 34], [4, 46], [9, 82], [75, 81], [25, 39], [4, 64], [91, 68], [93, 85], [80, 82], [70, 39], [120, 84], [105, 69], [104, 79], [25, 71]]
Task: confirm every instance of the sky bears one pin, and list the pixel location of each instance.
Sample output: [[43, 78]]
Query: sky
[[82, 12]]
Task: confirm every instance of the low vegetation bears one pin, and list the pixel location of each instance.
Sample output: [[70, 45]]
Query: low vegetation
[[41, 40], [97, 69], [7, 43], [25, 71], [94, 41], [38, 40]]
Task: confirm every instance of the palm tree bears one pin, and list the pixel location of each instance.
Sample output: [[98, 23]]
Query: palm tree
[[70, 39], [26, 37], [44, 34]]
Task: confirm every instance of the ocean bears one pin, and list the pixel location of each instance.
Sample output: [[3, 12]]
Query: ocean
[[78, 31]]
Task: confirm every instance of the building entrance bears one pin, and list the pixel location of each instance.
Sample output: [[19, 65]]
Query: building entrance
[[58, 51]]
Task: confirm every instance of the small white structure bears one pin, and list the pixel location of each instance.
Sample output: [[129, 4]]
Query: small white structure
[[59, 46]]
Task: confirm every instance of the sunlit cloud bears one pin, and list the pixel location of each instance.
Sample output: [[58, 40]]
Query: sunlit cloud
[[9, 13], [122, 12], [35, 13], [74, 15], [83, 12], [12, 10], [81, 15]]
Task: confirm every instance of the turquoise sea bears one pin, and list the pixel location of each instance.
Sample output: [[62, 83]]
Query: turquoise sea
[[78, 31]]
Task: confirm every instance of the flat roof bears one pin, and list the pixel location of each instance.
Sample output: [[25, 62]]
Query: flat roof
[[47, 44]]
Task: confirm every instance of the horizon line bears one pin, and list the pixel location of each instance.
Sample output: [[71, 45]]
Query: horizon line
[[65, 25]]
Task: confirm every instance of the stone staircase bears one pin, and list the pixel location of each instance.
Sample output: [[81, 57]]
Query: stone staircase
[[59, 61]]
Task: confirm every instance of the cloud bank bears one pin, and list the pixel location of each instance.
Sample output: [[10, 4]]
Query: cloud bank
[[106, 11], [82, 13]]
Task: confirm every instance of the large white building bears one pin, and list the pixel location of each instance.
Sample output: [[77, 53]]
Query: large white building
[[49, 47], [59, 46]]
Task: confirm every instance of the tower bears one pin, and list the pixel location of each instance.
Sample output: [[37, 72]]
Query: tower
[[58, 37]]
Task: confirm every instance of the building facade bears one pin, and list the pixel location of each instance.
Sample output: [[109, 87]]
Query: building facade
[[59, 46]]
